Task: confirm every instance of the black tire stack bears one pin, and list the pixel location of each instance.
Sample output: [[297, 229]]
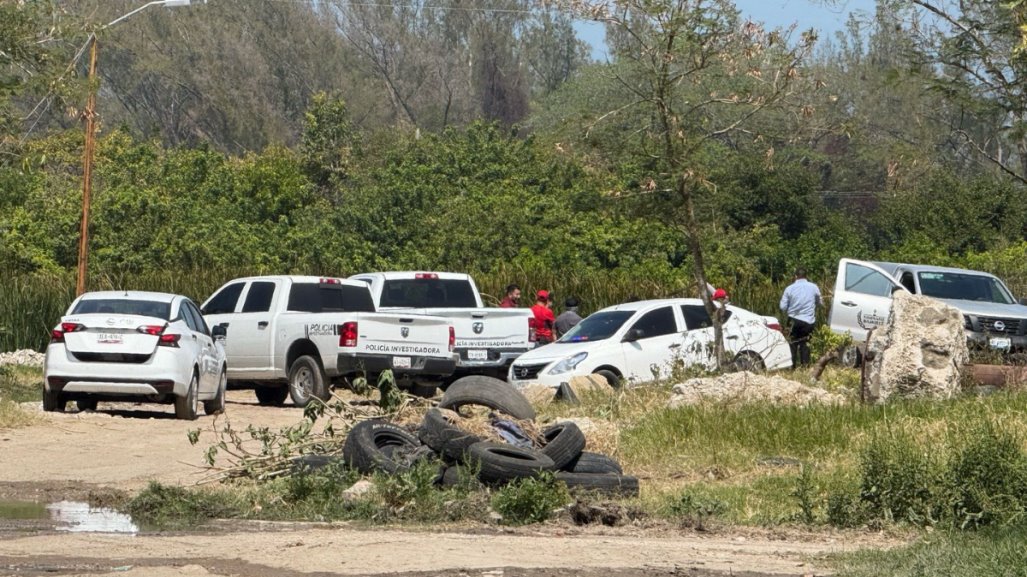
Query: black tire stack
[[377, 445]]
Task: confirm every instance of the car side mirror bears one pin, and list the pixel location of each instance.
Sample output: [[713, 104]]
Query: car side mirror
[[219, 332], [1023, 301], [633, 335]]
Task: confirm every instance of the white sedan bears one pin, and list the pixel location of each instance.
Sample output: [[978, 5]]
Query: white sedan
[[135, 346], [645, 340]]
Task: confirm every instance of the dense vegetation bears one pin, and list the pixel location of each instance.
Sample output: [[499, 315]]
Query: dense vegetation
[[225, 152]]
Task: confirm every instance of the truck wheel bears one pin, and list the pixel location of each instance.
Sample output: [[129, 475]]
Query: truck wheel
[[185, 407], [271, 396], [850, 357], [306, 381]]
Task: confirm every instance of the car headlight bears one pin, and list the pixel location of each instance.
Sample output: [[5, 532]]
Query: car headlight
[[568, 364]]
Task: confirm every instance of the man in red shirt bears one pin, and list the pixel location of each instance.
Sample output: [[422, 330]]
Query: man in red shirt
[[544, 318], [513, 296]]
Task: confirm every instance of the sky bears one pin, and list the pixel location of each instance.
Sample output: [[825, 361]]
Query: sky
[[774, 13]]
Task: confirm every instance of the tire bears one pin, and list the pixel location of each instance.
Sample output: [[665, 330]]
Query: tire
[[216, 406], [486, 391], [424, 391], [379, 446], [445, 437], [748, 361], [606, 484], [564, 443], [850, 357], [501, 462], [271, 396], [53, 402], [307, 381], [86, 404], [453, 476], [595, 464], [611, 377], [186, 407]]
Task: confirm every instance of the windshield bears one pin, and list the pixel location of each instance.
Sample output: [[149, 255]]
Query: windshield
[[428, 293], [153, 309], [597, 327], [963, 286]]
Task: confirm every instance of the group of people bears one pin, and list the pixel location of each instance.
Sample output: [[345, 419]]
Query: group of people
[[799, 302], [548, 327]]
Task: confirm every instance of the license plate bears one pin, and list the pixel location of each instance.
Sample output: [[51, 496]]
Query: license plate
[[477, 355], [1000, 343], [108, 339], [401, 362]]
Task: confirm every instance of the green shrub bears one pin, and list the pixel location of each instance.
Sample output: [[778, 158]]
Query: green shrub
[[902, 481], [988, 474], [696, 511], [168, 506], [530, 500]]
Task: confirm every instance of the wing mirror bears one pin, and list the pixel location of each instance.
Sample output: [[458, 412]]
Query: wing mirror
[[1023, 301], [633, 335], [219, 332]]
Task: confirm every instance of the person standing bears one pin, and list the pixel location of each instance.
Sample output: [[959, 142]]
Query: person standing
[[513, 296], [568, 318], [544, 319], [720, 300], [800, 301]]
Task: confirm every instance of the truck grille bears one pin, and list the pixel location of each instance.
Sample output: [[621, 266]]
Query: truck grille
[[527, 372], [999, 326], [111, 358]]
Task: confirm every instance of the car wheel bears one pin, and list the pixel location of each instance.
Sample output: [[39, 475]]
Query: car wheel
[[271, 396], [306, 381], [53, 402], [216, 405], [611, 377], [86, 404], [850, 357], [186, 407], [748, 361]]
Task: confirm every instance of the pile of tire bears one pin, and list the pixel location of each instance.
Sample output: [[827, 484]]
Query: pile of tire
[[377, 445]]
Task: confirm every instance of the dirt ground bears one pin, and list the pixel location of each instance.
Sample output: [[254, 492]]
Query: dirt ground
[[72, 456]]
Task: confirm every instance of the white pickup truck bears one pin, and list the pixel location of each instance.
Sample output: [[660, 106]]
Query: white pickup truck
[[294, 335], [487, 339]]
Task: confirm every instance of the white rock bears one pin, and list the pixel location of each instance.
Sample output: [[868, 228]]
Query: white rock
[[357, 490], [746, 387], [25, 357]]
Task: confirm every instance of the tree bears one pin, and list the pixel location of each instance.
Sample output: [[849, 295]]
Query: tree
[[701, 76]]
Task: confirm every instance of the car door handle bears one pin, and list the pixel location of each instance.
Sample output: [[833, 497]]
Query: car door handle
[[674, 346], [262, 325], [849, 303], [194, 337], [731, 337]]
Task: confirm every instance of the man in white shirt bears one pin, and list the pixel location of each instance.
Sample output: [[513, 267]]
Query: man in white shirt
[[800, 301]]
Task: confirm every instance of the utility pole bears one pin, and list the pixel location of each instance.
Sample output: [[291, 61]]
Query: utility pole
[[87, 173]]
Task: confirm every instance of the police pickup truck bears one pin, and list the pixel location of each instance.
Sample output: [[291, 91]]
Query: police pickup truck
[[487, 339], [296, 335]]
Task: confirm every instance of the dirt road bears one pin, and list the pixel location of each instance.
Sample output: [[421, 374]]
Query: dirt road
[[64, 454]]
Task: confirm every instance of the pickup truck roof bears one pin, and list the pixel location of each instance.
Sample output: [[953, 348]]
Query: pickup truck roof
[[414, 273], [891, 267], [297, 278]]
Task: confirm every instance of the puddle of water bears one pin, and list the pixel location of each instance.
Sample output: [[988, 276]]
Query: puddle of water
[[72, 516]]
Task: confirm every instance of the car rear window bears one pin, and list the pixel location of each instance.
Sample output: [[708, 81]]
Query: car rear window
[[330, 298], [155, 309], [428, 293]]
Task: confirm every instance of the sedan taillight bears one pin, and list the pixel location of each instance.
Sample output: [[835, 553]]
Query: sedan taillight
[[57, 334], [169, 340]]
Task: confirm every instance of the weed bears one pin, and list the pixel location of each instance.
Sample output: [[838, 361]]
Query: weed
[[806, 493], [530, 500], [170, 507], [695, 512]]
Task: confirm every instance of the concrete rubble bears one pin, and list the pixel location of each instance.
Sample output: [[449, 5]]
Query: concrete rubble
[[919, 352], [25, 357], [746, 387]]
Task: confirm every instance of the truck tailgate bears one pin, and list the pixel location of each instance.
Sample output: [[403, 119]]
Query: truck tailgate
[[403, 334], [486, 328]]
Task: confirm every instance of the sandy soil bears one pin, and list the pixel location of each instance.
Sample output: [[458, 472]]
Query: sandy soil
[[70, 455]]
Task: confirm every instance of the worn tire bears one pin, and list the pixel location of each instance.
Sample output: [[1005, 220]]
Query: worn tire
[[216, 405], [307, 381], [445, 437], [186, 407], [86, 404], [611, 378], [486, 391], [53, 402], [500, 462], [564, 442], [371, 445], [595, 464], [271, 396], [606, 484]]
